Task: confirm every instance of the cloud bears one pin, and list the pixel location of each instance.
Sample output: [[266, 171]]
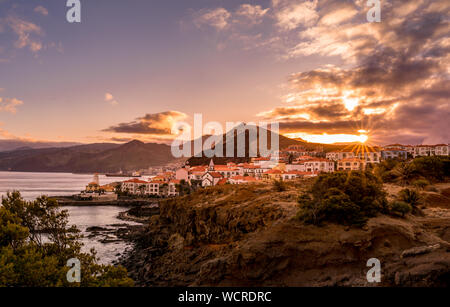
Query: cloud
[[9, 104], [293, 14], [27, 33], [216, 18], [110, 98], [41, 10], [251, 13], [395, 81], [158, 124]]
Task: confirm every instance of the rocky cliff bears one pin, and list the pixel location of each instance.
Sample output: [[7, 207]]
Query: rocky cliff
[[249, 236]]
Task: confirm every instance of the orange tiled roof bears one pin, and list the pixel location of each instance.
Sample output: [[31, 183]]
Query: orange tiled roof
[[135, 181], [222, 181], [215, 174], [273, 171]]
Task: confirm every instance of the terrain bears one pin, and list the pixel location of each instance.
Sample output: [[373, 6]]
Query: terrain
[[250, 236], [91, 158]]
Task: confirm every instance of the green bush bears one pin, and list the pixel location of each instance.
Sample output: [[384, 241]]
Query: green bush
[[279, 185], [421, 183], [400, 207], [348, 198], [411, 197], [36, 242]]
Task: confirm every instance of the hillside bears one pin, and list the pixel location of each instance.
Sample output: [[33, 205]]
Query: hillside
[[249, 236], [13, 145], [102, 158], [228, 139]]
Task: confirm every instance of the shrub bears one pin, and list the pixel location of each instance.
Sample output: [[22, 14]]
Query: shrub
[[343, 198], [421, 183], [279, 185], [36, 242], [411, 197], [400, 207]]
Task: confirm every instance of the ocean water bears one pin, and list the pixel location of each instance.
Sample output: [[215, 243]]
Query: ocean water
[[32, 185]]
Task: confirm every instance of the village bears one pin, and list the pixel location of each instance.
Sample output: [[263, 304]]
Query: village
[[289, 164]]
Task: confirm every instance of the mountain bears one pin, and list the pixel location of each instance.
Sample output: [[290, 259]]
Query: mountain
[[12, 145], [232, 136], [99, 157]]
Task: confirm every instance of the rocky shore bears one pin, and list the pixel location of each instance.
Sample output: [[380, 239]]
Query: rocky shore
[[121, 202], [249, 236]]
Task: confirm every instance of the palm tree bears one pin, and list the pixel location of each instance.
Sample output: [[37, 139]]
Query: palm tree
[[411, 197], [405, 172]]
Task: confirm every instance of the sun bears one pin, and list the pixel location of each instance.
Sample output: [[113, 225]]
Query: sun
[[326, 138], [350, 103]]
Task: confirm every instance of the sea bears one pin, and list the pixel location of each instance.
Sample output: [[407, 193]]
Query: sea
[[33, 185]]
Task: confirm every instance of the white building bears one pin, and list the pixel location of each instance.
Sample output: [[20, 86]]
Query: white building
[[352, 164], [369, 156], [319, 165], [134, 186], [339, 155], [296, 167]]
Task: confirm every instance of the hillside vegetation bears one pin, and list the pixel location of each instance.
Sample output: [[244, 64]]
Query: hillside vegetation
[[252, 236]]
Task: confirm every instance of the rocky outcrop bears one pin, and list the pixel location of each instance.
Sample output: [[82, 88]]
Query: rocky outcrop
[[249, 236]]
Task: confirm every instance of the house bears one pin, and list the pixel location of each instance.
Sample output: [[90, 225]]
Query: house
[[251, 169], [173, 191], [290, 175], [182, 174], [211, 178], [93, 186], [394, 153], [369, 155], [296, 167], [350, 164], [242, 179], [134, 186], [339, 155], [152, 188], [227, 171], [273, 174], [442, 150], [319, 165]]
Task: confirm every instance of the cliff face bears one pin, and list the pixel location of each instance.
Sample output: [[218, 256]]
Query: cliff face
[[248, 236]]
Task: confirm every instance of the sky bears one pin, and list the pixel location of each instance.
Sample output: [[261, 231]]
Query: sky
[[133, 68]]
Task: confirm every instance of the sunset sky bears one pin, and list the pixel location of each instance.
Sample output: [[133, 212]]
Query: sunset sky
[[132, 68]]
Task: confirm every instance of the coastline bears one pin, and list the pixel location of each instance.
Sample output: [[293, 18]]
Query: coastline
[[71, 201]]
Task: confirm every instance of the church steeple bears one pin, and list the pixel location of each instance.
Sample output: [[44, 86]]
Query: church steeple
[[211, 165]]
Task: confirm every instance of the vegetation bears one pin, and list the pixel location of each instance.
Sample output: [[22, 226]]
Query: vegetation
[[348, 198], [36, 243], [430, 169], [400, 208], [421, 183], [279, 186], [411, 197]]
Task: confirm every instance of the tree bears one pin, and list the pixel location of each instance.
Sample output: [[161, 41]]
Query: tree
[[36, 242], [421, 183], [348, 198], [411, 197], [279, 185], [400, 207], [405, 172]]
